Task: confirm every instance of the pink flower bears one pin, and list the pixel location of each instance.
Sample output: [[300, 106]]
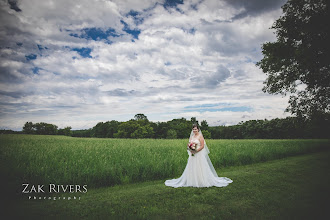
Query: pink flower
[[192, 148]]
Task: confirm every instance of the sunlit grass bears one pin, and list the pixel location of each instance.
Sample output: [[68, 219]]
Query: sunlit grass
[[106, 162]]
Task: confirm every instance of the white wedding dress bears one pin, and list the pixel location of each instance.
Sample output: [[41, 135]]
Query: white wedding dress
[[199, 172]]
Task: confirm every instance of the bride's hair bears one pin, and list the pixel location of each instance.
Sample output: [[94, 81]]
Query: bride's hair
[[195, 126]]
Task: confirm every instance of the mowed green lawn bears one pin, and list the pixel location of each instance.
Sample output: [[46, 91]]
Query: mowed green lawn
[[290, 188], [276, 184]]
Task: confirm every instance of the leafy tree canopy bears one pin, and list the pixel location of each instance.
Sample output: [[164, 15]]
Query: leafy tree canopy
[[300, 56]]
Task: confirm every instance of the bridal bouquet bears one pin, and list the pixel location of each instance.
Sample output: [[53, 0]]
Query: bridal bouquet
[[192, 148]]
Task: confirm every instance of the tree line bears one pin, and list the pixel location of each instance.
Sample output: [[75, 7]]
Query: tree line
[[141, 127]]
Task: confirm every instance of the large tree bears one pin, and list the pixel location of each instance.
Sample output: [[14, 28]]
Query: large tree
[[300, 56]]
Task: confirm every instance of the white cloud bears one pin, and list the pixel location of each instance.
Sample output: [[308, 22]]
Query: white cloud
[[197, 54]]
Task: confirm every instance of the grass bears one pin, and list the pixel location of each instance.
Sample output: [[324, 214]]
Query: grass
[[101, 162], [289, 188]]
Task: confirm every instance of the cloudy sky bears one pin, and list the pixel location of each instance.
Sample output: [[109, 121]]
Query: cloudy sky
[[76, 63]]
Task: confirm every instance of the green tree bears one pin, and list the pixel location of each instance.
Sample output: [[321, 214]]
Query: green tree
[[99, 130], [121, 134], [216, 131], [140, 117], [143, 132], [300, 56], [193, 121], [29, 128], [204, 125], [65, 131], [82, 133], [171, 134], [149, 131], [181, 126], [106, 129], [139, 132], [161, 129], [111, 127], [126, 129], [45, 128], [206, 134]]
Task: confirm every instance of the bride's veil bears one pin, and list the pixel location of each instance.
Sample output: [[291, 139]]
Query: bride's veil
[[206, 151], [200, 132]]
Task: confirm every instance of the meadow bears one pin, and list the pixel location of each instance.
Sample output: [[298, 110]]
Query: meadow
[[98, 162]]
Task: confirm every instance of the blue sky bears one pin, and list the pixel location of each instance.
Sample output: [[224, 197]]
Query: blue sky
[[76, 63]]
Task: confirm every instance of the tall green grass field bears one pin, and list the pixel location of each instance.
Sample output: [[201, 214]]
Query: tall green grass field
[[97, 162]]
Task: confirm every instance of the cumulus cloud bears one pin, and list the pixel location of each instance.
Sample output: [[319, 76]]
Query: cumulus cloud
[[211, 80], [80, 62], [254, 7]]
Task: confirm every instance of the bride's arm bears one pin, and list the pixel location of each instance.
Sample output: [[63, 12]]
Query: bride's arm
[[201, 139]]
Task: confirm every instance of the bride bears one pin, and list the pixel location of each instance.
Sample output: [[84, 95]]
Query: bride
[[199, 171]]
